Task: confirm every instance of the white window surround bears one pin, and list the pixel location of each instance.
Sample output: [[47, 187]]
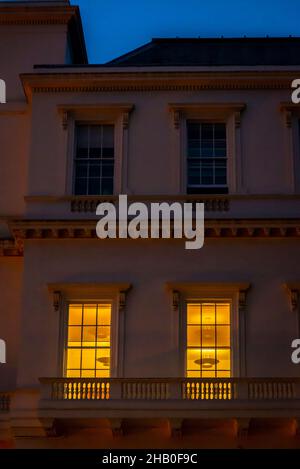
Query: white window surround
[[291, 115], [235, 293], [110, 113], [115, 293], [228, 113]]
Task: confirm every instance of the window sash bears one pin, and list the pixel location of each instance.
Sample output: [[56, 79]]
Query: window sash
[[206, 157], [206, 356], [94, 162], [95, 326]]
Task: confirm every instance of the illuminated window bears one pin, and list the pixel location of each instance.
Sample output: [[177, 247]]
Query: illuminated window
[[89, 340], [208, 340]]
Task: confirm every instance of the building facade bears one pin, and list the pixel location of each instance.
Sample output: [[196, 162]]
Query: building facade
[[121, 343]]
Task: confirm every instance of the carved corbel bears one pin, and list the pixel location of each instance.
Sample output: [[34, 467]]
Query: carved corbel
[[125, 120], [175, 300], [56, 300], [242, 300], [288, 118], [293, 294], [122, 301], [176, 117], [237, 119], [65, 118]]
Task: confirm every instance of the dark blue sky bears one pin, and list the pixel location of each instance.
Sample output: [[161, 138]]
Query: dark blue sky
[[114, 27]]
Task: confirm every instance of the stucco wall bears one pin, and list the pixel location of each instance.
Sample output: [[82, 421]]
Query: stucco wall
[[151, 348], [10, 287]]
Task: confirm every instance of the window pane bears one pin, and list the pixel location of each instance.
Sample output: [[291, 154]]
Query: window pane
[[104, 314], [208, 313], [107, 169], [82, 134], [81, 169], [75, 315], [220, 131], [88, 373], [223, 313], [193, 314], [223, 336], [193, 359], [90, 314], [193, 131], [103, 358], [95, 170], [88, 358], [208, 336], [81, 186], [107, 186], [89, 336], [95, 141], [223, 357], [102, 373], [108, 136], [74, 356], [94, 186], [103, 336], [74, 336], [194, 336], [73, 373]]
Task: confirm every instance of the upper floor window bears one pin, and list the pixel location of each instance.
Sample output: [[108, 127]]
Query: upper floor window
[[94, 160], [206, 157], [89, 340], [209, 345]]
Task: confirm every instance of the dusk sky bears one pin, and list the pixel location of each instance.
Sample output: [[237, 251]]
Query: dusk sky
[[115, 27]]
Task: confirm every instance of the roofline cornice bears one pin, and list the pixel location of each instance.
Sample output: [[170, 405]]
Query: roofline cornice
[[152, 81], [11, 15]]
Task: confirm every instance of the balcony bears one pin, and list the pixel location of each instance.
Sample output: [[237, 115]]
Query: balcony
[[170, 397]]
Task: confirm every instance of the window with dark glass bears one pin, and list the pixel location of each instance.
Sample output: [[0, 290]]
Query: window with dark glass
[[206, 157], [94, 160]]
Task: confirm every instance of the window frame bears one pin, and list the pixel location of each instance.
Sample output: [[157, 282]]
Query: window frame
[[78, 123], [116, 114], [207, 189], [233, 358], [228, 113], [114, 293], [113, 332], [235, 293]]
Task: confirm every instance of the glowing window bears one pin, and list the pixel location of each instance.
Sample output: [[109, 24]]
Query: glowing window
[[208, 340], [89, 340]]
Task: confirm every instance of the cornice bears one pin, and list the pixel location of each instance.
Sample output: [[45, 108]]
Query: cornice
[[39, 15], [92, 82], [40, 230]]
